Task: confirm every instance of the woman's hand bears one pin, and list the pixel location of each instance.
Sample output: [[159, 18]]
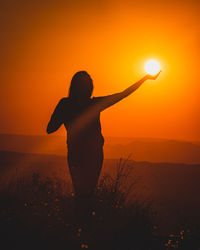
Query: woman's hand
[[152, 77]]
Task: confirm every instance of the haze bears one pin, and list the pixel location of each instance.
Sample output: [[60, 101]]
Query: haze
[[44, 44]]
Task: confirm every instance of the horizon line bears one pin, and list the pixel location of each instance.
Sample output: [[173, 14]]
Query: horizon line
[[110, 136]]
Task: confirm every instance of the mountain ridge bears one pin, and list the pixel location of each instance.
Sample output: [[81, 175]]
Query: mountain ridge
[[138, 149]]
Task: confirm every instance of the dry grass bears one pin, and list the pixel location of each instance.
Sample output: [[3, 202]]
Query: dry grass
[[38, 213]]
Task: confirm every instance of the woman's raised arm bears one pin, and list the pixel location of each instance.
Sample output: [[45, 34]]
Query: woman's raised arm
[[107, 101]]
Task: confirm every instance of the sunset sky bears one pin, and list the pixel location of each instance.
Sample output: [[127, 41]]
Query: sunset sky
[[44, 44]]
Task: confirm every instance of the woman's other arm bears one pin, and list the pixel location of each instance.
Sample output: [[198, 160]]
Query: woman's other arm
[[56, 118]]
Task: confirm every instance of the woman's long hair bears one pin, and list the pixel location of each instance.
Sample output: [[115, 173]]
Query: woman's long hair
[[81, 86]]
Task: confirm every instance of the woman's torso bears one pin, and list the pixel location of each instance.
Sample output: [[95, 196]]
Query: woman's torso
[[82, 121]]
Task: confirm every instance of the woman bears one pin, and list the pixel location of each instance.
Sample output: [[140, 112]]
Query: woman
[[80, 115]]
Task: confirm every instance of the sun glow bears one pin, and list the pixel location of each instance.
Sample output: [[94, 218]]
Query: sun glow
[[152, 67]]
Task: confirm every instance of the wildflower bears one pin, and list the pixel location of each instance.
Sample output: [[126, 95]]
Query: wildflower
[[84, 246]]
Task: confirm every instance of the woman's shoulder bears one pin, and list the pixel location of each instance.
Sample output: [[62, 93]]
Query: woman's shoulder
[[64, 100]]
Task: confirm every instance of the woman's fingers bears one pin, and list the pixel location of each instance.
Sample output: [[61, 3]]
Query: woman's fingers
[[156, 76], [152, 77]]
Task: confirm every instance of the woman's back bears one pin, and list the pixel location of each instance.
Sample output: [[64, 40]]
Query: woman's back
[[81, 120]]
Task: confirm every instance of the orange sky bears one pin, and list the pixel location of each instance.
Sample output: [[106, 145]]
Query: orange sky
[[43, 45]]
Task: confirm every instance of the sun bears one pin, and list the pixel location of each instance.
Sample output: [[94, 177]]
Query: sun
[[152, 67]]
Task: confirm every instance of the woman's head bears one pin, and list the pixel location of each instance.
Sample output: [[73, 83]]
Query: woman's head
[[81, 86]]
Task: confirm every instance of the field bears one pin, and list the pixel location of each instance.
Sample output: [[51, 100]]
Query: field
[[138, 205]]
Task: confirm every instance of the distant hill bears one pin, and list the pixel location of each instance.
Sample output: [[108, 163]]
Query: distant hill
[[152, 174], [157, 151], [139, 149]]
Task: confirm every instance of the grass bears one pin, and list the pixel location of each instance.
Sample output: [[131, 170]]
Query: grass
[[38, 213]]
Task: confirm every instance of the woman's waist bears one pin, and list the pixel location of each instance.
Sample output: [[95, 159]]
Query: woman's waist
[[85, 141]]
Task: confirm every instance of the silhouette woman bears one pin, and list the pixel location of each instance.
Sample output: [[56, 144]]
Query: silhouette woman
[[80, 115]]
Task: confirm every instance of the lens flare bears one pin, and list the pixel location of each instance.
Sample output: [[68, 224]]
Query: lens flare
[[152, 67]]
